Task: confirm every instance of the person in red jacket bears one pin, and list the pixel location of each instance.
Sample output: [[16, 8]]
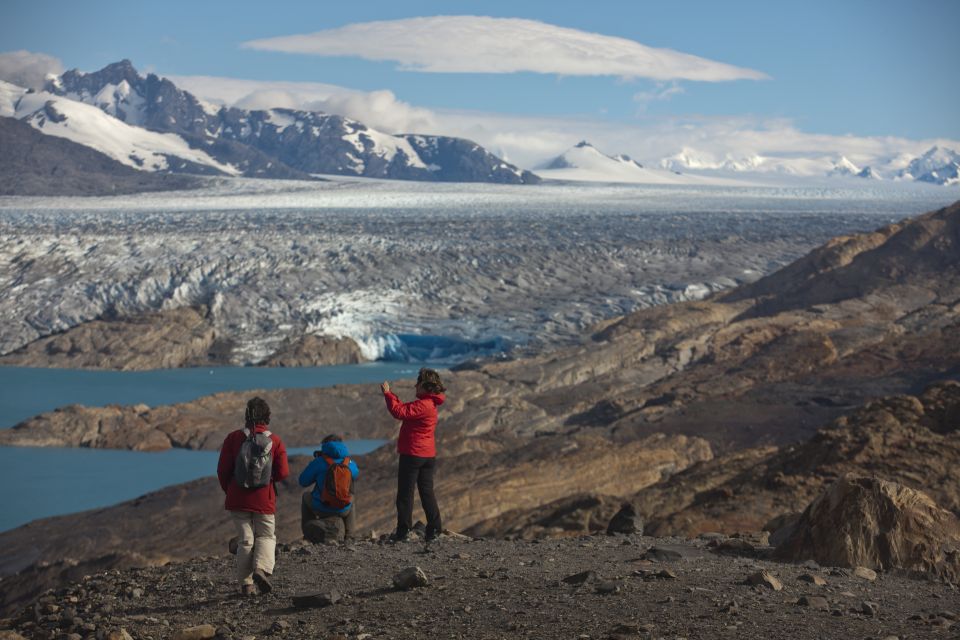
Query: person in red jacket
[[418, 451], [253, 509]]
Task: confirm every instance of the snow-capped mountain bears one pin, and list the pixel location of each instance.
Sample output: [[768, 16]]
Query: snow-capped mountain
[[585, 163], [938, 166], [279, 142], [130, 145], [844, 167]]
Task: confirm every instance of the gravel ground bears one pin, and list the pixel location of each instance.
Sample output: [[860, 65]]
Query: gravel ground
[[501, 589]]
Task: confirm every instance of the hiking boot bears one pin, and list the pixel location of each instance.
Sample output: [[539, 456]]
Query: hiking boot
[[263, 583], [248, 590], [431, 535], [233, 544], [397, 536]]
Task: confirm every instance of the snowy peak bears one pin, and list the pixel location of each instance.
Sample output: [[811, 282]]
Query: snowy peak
[[844, 167], [584, 155], [132, 146], [938, 165], [279, 143], [584, 162]]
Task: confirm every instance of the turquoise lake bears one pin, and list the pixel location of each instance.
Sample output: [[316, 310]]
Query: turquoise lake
[[54, 481]]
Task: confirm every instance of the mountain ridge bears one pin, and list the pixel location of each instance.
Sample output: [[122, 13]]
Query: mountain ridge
[[301, 141]]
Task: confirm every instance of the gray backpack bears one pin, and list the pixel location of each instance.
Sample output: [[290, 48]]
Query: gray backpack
[[254, 466]]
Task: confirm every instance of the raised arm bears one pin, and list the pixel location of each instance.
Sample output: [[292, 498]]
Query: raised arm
[[403, 411]]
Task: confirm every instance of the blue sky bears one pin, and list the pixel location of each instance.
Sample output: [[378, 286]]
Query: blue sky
[[867, 69]]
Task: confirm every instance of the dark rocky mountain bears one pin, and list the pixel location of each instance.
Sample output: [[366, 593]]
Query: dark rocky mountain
[[282, 143], [36, 164]]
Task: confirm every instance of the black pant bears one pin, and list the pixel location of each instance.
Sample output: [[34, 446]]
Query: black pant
[[419, 472]]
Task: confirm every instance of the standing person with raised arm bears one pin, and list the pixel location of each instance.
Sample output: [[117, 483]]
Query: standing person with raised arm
[[418, 452]]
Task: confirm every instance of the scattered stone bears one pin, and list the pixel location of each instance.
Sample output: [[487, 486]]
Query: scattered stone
[[814, 602], [199, 632], [609, 587], [623, 631], [812, 578], [733, 546], [764, 579], [316, 600], [732, 607], [672, 553], [865, 574], [625, 521], [666, 574], [279, 626], [410, 578], [711, 535], [871, 609], [10, 635], [581, 578], [121, 634]]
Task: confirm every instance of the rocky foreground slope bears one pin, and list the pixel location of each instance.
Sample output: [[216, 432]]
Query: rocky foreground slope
[[666, 406], [589, 587]]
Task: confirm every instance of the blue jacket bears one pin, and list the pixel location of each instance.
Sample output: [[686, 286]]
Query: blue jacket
[[316, 473]]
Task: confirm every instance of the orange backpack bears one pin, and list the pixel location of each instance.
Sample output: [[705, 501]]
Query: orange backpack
[[337, 484]]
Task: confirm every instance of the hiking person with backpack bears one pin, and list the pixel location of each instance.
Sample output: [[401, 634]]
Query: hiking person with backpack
[[418, 452], [331, 472], [252, 459]]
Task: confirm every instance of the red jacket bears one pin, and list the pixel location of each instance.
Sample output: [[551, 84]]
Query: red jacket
[[419, 423], [262, 500]]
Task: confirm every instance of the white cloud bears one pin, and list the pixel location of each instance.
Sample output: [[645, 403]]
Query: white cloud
[[662, 91], [378, 109], [27, 69], [481, 44]]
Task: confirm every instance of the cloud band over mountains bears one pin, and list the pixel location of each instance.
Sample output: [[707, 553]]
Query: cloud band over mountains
[[480, 44]]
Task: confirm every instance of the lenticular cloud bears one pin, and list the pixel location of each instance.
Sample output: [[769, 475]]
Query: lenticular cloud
[[479, 44]]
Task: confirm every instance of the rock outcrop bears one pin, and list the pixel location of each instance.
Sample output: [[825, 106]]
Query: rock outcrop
[[162, 340], [315, 351], [181, 337], [872, 523]]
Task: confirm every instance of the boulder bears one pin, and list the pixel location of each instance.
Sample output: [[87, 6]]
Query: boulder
[[198, 632], [868, 522], [323, 531], [410, 578], [764, 579], [625, 521], [316, 600]]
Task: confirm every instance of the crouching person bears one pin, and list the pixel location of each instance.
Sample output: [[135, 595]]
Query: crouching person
[[252, 459], [331, 473]]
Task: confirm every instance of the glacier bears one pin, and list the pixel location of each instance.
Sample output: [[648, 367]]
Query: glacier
[[410, 271]]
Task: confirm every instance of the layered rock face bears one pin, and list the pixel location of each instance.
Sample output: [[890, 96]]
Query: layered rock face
[[861, 521]]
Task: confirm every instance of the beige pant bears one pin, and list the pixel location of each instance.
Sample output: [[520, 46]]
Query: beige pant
[[257, 544]]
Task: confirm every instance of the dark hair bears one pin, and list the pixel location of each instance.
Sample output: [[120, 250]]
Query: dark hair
[[429, 381], [258, 412], [331, 438]]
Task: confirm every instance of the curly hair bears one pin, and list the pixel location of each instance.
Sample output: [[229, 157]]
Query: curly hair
[[258, 412], [429, 381], [333, 437]]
